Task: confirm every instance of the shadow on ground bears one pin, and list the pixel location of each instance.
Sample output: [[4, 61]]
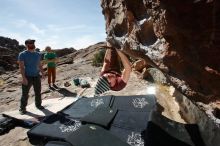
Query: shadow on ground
[[66, 92]]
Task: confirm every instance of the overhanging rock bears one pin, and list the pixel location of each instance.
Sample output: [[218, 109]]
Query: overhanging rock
[[180, 37]]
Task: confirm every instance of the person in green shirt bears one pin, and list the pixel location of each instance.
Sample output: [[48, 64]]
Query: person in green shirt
[[50, 58]]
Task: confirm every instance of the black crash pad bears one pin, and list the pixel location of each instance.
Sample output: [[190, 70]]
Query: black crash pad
[[92, 135], [102, 116], [123, 125], [55, 127], [134, 103], [133, 138], [84, 106], [131, 120], [57, 143]]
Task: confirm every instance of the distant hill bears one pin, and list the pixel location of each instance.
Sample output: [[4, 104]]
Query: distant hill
[[62, 52]]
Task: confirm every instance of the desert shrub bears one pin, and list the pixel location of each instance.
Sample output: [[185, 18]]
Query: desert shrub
[[98, 58]]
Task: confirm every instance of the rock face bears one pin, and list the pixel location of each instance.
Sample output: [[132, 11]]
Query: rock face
[[181, 37], [9, 50], [65, 51]]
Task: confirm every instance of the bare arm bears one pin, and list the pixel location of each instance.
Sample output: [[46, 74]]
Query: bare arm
[[22, 71], [140, 55], [127, 66], [105, 66], [49, 60], [41, 69]]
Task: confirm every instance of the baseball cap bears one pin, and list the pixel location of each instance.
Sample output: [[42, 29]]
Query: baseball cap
[[29, 41], [102, 86]]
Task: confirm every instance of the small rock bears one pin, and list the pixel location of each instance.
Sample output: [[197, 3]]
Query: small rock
[[67, 84], [139, 65]]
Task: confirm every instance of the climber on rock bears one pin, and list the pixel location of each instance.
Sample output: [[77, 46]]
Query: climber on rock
[[111, 76]]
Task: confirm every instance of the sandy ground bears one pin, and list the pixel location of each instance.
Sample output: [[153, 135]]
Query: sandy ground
[[10, 93]]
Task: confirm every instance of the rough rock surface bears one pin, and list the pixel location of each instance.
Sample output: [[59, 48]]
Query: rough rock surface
[[64, 51], [9, 50], [180, 37]]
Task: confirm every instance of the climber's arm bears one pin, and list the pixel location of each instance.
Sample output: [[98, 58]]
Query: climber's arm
[[140, 55], [127, 66], [106, 63]]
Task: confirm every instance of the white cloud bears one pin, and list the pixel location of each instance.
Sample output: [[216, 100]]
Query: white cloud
[[59, 28], [84, 41], [41, 44], [57, 37], [5, 33], [36, 29], [24, 24], [55, 41], [51, 40], [20, 23]]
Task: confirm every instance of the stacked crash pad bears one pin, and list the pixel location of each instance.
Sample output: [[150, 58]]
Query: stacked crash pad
[[104, 121]]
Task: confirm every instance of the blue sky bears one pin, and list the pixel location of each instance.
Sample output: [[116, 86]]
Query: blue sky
[[57, 23]]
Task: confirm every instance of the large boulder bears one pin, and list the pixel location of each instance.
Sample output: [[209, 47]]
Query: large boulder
[[181, 37], [64, 51]]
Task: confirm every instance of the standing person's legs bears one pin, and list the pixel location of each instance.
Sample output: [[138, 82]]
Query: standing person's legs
[[53, 75], [24, 96], [37, 91], [49, 73], [114, 63]]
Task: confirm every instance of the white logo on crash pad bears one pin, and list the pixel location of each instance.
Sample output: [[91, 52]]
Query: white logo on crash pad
[[139, 102], [135, 139], [96, 102], [70, 126]]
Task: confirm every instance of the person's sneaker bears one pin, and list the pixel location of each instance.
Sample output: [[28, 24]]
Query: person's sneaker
[[40, 107], [51, 88], [22, 111], [55, 86]]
